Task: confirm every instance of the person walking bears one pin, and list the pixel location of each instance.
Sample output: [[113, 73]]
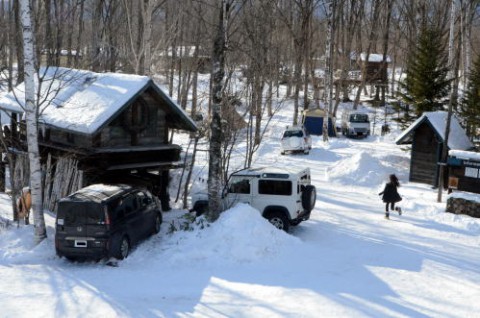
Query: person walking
[[391, 196]]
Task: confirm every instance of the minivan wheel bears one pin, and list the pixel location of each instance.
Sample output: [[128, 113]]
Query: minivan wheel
[[278, 220], [123, 249]]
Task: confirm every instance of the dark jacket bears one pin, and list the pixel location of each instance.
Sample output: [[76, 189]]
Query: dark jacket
[[390, 193]]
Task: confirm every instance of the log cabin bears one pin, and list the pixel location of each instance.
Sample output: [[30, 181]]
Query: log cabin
[[108, 127]]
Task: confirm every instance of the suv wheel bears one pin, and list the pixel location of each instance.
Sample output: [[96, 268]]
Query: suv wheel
[[278, 220], [309, 196], [123, 249]]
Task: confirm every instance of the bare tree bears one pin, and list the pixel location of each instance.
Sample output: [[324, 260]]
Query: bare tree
[[218, 83], [31, 113]]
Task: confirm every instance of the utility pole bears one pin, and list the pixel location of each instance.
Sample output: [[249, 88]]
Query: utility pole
[[444, 154], [328, 76]]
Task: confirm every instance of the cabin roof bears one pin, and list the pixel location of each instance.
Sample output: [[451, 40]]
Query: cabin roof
[[83, 101], [458, 139]]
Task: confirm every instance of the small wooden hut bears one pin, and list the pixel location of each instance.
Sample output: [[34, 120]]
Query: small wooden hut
[[427, 135], [375, 69]]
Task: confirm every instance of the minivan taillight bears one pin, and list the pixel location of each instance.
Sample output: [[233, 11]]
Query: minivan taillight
[[107, 217]]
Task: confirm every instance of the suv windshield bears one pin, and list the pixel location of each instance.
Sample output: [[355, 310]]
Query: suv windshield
[[81, 213], [293, 133]]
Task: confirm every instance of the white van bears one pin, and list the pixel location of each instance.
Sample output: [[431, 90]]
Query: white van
[[355, 124]]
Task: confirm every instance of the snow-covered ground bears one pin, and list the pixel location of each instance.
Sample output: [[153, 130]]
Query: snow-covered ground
[[346, 261]]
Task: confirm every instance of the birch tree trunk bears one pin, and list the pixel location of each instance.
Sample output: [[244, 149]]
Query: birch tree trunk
[[218, 82], [146, 12], [31, 112]]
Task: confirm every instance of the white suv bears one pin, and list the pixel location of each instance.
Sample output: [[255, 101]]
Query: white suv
[[283, 197], [296, 138]]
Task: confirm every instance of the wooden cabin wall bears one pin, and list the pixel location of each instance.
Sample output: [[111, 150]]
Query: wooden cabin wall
[[425, 152], [150, 132], [67, 138], [466, 183]]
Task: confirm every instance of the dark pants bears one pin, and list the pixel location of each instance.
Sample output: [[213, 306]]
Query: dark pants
[[392, 206]]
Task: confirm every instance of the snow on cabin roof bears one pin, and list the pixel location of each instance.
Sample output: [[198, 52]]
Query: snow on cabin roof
[[466, 155], [374, 57], [457, 140], [83, 101]]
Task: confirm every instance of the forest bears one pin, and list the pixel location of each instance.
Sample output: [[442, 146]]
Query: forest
[[272, 41]]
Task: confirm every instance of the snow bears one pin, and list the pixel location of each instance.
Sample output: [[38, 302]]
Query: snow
[[465, 195], [80, 101], [374, 57], [346, 261], [457, 139], [467, 155]]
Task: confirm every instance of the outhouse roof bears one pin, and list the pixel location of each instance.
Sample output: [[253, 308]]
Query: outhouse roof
[[458, 139]]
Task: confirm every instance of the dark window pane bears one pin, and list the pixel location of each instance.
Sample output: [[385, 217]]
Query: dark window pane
[[241, 186], [275, 187]]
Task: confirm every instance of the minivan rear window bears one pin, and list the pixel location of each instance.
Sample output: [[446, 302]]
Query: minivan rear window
[[81, 213]]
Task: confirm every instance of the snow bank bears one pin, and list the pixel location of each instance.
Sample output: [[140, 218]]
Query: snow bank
[[241, 234], [475, 197], [17, 246], [360, 169]]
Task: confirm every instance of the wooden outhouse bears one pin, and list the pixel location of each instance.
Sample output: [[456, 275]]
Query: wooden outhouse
[[113, 128], [427, 135]]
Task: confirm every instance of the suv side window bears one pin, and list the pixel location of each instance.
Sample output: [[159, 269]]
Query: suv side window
[[275, 187], [240, 186]]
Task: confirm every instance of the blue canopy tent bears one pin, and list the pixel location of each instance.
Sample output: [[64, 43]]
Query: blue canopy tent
[[313, 122]]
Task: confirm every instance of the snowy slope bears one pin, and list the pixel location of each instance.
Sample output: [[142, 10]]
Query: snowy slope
[[346, 261]]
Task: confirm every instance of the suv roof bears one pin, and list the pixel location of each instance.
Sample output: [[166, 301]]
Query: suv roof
[[98, 193], [271, 172]]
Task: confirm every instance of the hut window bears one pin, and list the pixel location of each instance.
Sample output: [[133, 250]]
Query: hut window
[[471, 172]]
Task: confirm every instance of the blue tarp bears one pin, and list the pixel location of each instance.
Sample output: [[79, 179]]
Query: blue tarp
[[314, 126]]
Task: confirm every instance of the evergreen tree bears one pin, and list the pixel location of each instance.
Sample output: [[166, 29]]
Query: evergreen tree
[[426, 84], [470, 106]]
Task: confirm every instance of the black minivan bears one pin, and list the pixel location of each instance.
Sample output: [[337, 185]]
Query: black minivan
[[102, 221]]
